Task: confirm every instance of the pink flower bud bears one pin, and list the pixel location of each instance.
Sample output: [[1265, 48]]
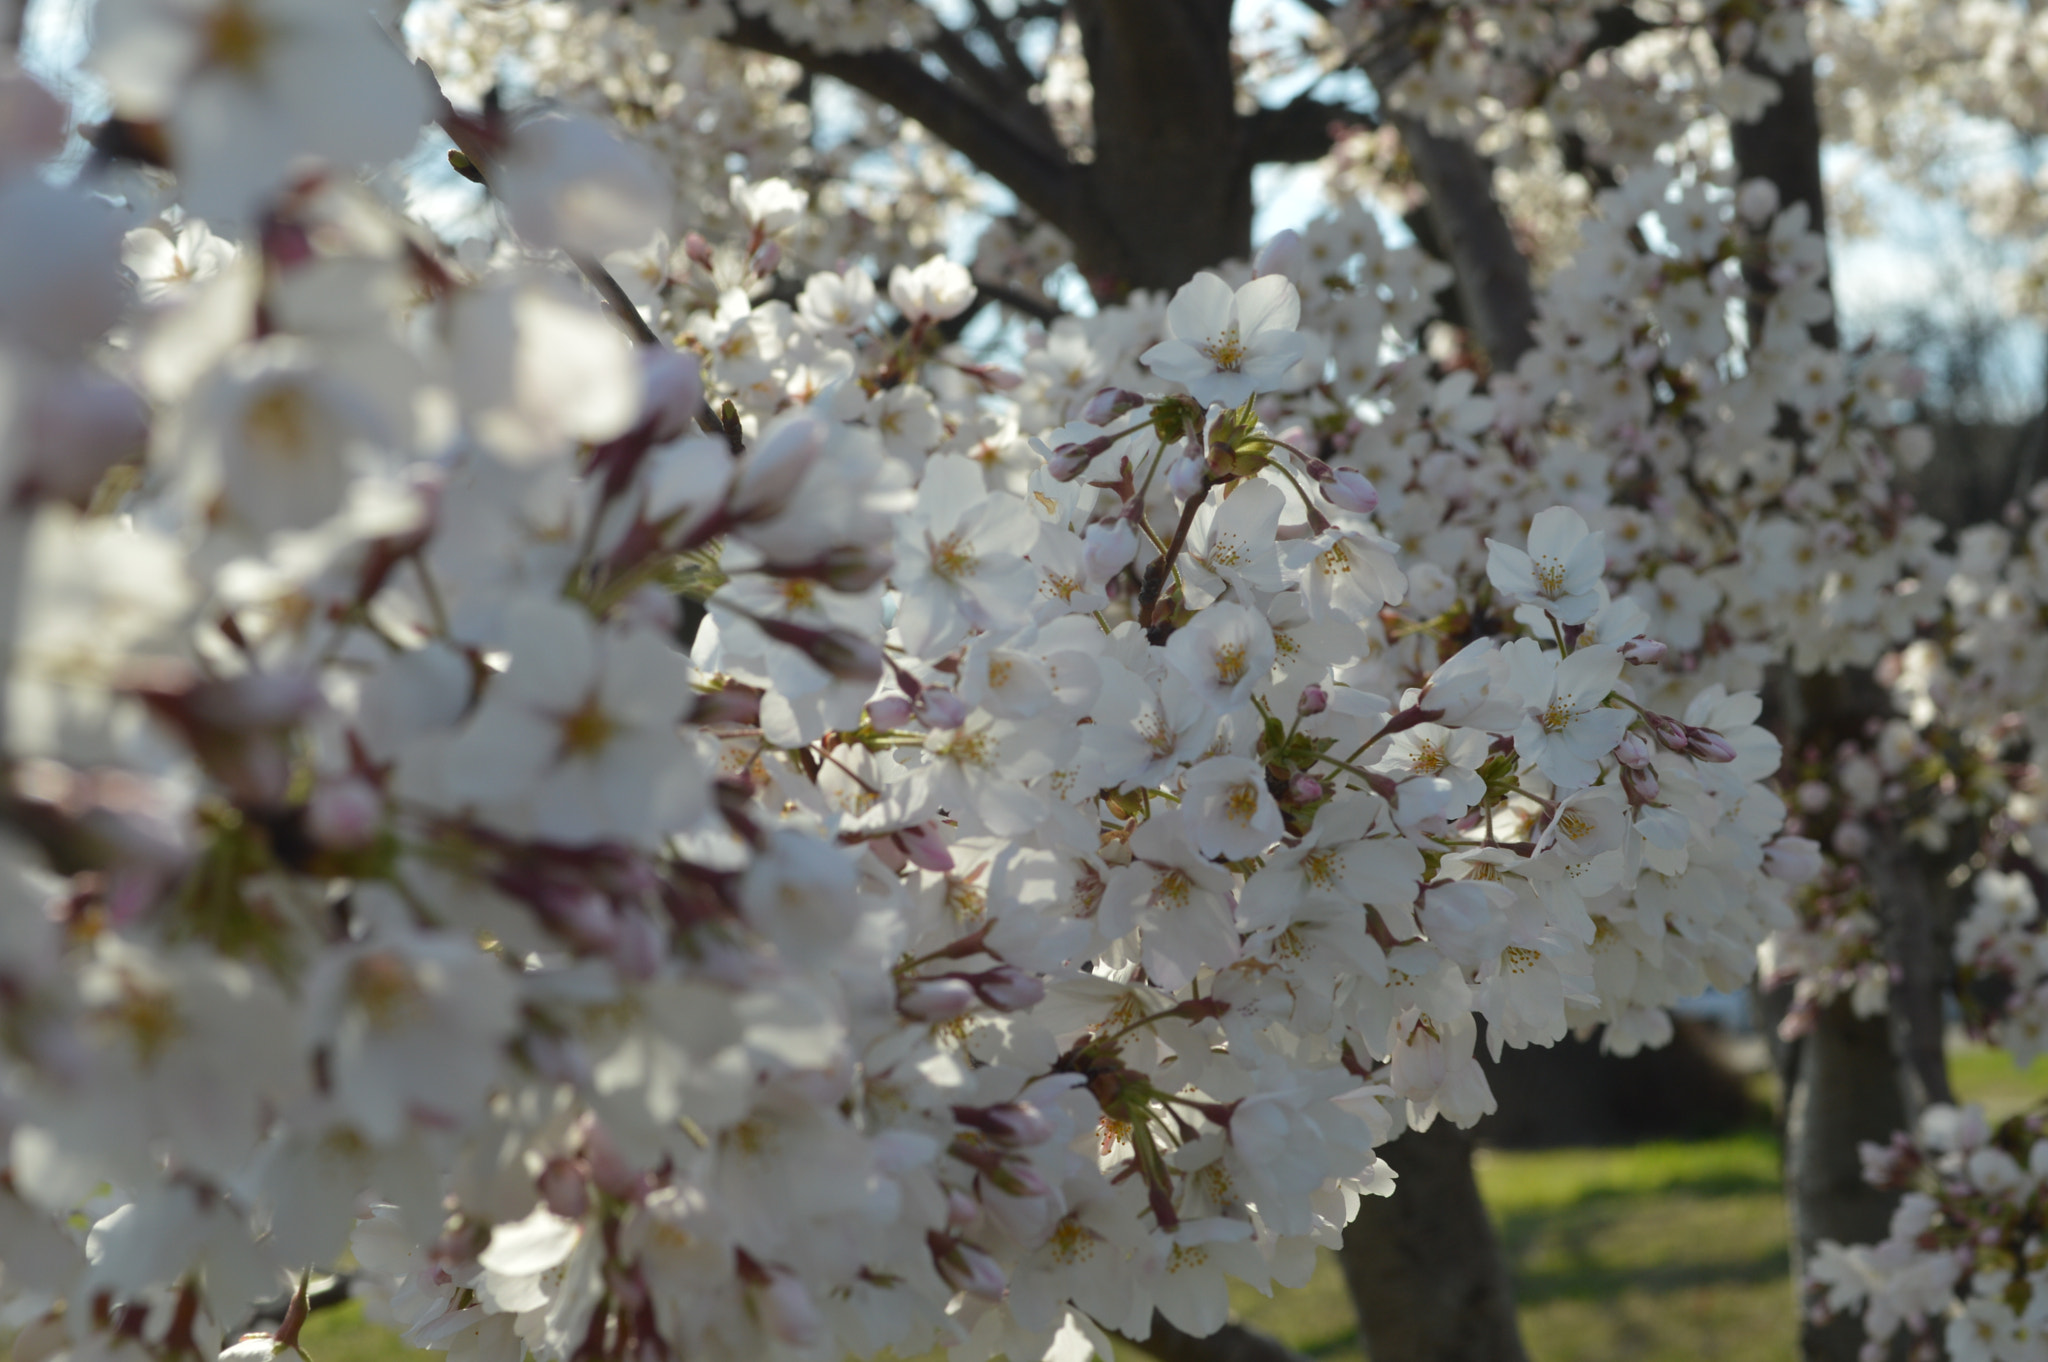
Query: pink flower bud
[[1304, 788], [637, 949], [1284, 253], [343, 815], [966, 1268], [1640, 784], [941, 708], [890, 712], [1643, 650], [940, 999], [962, 1210], [846, 655], [1187, 477], [767, 258], [697, 249], [608, 1167], [1009, 989], [564, 1189], [1351, 491], [731, 704], [1314, 700], [992, 377], [853, 568], [786, 1309], [1068, 462], [1109, 403], [926, 848], [1632, 750], [1107, 548], [1668, 731], [1014, 1123], [1707, 745], [1014, 1177]]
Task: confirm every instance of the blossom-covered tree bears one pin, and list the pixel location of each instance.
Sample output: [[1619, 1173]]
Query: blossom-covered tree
[[590, 736]]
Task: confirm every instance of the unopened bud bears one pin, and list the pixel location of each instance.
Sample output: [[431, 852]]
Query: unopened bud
[[729, 705], [1284, 253], [1643, 650], [785, 1306], [1109, 403], [941, 708], [1009, 989], [1070, 461], [1708, 745], [1351, 491], [1014, 1177], [767, 258], [853, 568], [1669, 732], [1632, 750], [846, 655], [343, 815], [962, 1210], [564, 1189], [1107, 548], [890, 712], [1304, 788], [1013, 1123], [1314, 700], [1640, 784], [1187, 477], [993, 377], [939, 999], [697, 249], [608, 1167], [966, 1268]]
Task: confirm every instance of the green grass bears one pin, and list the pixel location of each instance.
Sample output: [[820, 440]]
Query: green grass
[[1979, 1073], [1668, 1252], [1656, 1253]]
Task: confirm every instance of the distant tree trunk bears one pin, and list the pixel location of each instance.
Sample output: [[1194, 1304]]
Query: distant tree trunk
[[1844, 1092], [1425, 1266]]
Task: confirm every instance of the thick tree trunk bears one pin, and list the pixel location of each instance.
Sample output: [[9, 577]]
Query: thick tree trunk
[[1845, 1092], [1171, 181], [1425, 1266]]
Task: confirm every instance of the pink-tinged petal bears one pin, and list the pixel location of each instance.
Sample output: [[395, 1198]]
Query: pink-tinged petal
[[1201, 309], [1267, 304]]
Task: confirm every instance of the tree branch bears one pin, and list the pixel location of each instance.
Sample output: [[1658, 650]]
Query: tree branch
[[1038, 174], [998, 31], [1299, 131]]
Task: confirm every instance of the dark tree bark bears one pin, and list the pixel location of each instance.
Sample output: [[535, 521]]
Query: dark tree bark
[[1844, 1092], [1425, 1266], [1170, 180]]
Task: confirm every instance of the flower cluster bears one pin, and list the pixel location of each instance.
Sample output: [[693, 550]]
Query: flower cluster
[[1964, 1260], [786, 836]]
